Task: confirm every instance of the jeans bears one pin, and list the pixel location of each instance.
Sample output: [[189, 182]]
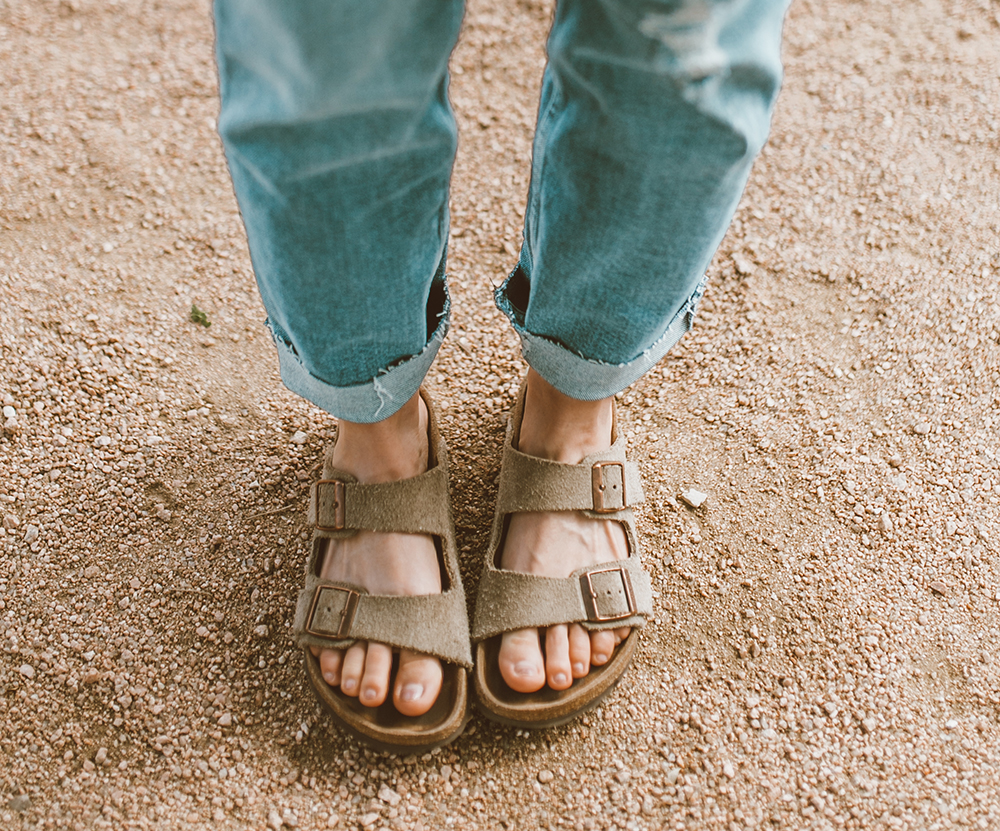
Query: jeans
[[340, 140]]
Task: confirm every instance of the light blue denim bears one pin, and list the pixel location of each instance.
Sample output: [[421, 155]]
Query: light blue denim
[[340, 140]]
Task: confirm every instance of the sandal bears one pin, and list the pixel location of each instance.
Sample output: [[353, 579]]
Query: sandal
[[333, 615], [604, 596]]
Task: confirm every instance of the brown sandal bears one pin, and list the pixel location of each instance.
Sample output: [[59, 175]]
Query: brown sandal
[[333, 615], [609, 595]]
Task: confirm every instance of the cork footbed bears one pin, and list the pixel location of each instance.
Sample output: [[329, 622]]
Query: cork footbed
[[384, 727], [547, 707]]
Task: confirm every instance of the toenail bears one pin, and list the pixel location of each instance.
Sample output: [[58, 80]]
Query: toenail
[[600, 658], [349, 685], [330, 678], [369, 694], [579, 668], [411, 692], [559, 678], [525, 669]]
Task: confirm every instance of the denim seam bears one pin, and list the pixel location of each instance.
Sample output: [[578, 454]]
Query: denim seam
[[564, 368], [372, 400]]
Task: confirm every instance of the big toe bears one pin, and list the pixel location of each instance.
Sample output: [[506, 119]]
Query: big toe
[[521, 663], [418, 683]]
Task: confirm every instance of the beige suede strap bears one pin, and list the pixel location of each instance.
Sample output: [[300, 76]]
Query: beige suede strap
[[598, 597], [413, 506], [603, 483], [334, 615]]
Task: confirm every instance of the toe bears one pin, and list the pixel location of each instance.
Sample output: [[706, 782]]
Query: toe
[[602, 644], [418, 683], [557, 664], [330, 661], [621, 633], [375, 681], [521, 662], [579, 650], [353, 668]]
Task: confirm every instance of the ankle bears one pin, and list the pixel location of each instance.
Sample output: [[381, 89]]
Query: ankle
[[386, 451], [561, 428]]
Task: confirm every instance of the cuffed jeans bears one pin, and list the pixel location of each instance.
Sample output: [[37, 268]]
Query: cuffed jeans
[[340, 140]]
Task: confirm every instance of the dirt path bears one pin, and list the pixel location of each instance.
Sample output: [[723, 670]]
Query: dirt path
[[824, 653]]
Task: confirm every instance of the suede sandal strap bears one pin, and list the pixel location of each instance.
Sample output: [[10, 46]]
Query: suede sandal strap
[[413, 506], [602, 596], [603, 483], [333, 615]]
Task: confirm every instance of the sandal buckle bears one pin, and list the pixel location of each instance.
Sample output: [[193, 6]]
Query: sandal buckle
[[338, 505], [600, 489], [346, 614], [592, 597]]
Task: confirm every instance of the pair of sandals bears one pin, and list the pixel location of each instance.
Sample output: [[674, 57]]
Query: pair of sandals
[[333, 615]]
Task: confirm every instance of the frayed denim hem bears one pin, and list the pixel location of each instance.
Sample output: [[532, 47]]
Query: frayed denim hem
[[584, 378], [366, 403]]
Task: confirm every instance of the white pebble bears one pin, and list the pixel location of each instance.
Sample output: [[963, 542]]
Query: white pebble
[[9, 412], [389, 796], [299, 437], [694, 498], [27, 670]]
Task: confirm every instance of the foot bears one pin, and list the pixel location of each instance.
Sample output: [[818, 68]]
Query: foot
[[393, 564], [555, 544]]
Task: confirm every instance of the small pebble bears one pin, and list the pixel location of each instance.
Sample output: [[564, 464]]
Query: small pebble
[[274, 821], [9, 412], [389, 796], [299, 437], [31, 534], [939, 588], [27, 670], [694, 498], [884, 523], [951, 724], [545, 776], [868, 725]]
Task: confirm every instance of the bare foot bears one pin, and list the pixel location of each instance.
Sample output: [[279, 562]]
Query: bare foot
[[394, 564], [555, 544]]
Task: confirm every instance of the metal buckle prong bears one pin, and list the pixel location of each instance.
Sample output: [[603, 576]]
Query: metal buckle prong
[[590, 596], [338, 504], [346, 613], [598, 487]]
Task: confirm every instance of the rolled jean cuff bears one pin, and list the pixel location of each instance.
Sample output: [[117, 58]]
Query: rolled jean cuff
[[584, 378], [372, 401]]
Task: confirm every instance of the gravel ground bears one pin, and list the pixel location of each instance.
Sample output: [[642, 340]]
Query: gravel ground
[[824, 652]]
